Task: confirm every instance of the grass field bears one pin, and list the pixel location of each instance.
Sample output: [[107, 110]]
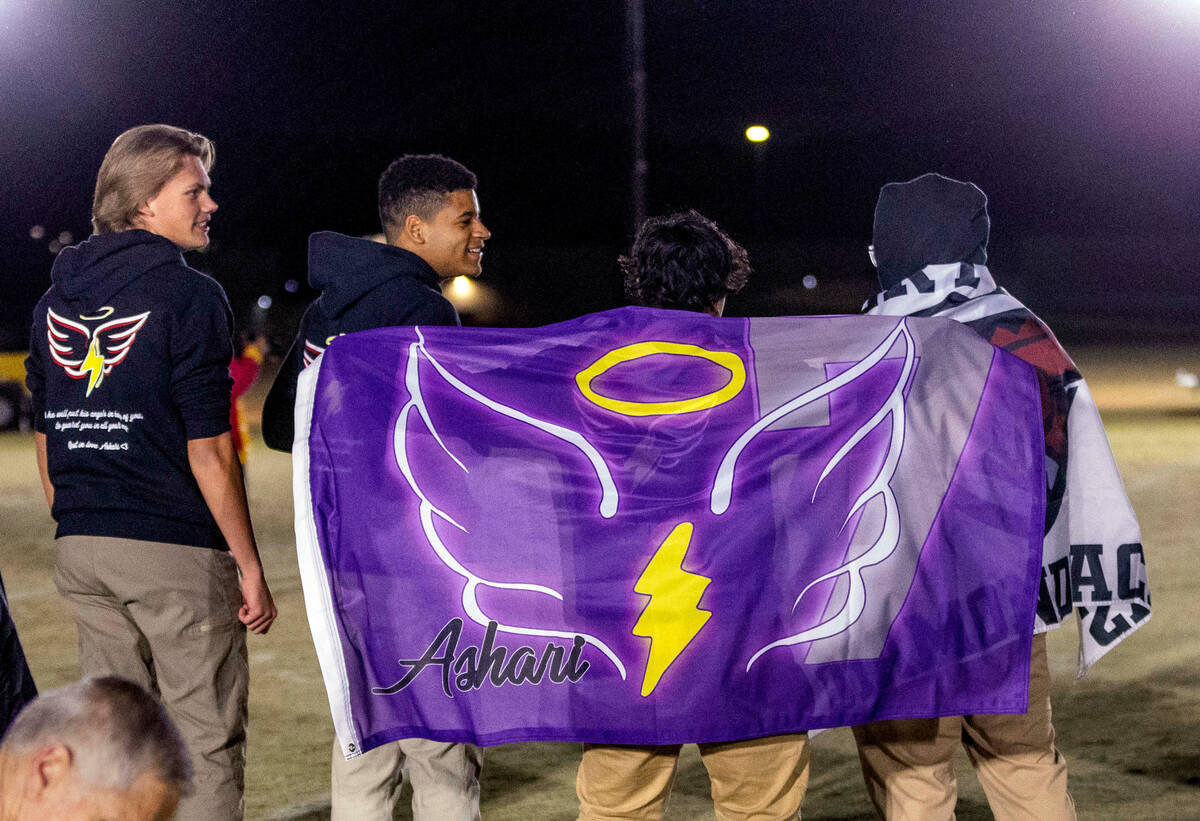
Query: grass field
[[1130, 731]]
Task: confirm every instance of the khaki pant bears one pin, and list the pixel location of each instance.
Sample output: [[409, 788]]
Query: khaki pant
[[165, 617], [909, 771], [759, 779], [444, 777]]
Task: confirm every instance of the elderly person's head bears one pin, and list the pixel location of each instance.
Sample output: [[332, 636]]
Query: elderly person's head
[[99, 748]]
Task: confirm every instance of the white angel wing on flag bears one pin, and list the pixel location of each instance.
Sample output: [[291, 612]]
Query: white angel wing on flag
[[447, 538], [454, 511], [890, 414]]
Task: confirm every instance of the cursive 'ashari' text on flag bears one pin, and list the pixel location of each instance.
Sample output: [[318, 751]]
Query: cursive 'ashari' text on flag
[[648, 527]]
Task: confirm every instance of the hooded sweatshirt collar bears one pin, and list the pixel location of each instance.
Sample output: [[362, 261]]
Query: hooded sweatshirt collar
[[346, 268], [91, 273], [936, 289]]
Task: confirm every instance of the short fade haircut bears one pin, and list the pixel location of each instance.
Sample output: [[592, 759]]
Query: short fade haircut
[[116, 732], [418, 184], [138, 164], [683, 261]]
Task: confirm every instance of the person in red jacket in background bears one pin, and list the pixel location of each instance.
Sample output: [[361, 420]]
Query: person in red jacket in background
[[244, 368]]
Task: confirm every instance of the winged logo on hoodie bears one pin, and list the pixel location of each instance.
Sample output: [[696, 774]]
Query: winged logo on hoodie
[[91, 353], [312, 350]]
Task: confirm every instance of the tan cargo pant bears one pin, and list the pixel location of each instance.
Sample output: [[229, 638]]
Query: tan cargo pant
[[908, 765], [165, 616], [759, 779], [444, 778]]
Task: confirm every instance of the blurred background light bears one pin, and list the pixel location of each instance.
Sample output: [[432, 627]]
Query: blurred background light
[[291, 286], [809, 282], [476, 302], [757, 134], [37, 232], [264, 302]]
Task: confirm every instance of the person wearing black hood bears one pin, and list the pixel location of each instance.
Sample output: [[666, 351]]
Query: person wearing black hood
[[430, 216], [930, 248], [129, 372]]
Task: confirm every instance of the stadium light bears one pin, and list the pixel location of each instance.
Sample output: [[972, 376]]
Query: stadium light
[[757, 134]]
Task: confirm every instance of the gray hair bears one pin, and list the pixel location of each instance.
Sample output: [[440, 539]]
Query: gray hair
[[116, 732]]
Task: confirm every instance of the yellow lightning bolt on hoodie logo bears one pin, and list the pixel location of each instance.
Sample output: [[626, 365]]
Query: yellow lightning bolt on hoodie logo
[[93, 365], [106, 346], [671, 618]]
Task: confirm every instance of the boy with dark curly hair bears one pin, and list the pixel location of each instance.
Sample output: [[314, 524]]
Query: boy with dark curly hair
[[686, 262]]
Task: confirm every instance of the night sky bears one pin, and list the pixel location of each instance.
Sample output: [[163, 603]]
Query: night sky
[[1081, 121]]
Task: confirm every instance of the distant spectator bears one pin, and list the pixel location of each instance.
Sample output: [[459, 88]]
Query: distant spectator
[[102, 748], [244, 370]]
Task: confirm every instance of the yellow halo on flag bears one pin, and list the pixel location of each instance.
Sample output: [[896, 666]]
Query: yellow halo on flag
[[727, 360]]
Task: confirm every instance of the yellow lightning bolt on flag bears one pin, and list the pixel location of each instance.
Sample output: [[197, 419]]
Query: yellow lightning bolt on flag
[[93, 363], [671, 618]]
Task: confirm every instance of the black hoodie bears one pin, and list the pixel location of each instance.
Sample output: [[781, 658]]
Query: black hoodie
[[129, 359], [16, 685], [363, 285]]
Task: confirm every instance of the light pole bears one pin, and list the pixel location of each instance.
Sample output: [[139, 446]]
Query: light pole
[[635, 47], [758, 136]]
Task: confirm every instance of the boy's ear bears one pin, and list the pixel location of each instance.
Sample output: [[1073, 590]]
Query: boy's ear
[[414, 229]]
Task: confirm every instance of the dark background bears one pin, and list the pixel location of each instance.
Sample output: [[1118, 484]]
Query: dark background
[[1081, 121]]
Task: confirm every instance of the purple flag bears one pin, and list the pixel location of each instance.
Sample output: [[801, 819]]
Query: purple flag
[[650, 527]]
